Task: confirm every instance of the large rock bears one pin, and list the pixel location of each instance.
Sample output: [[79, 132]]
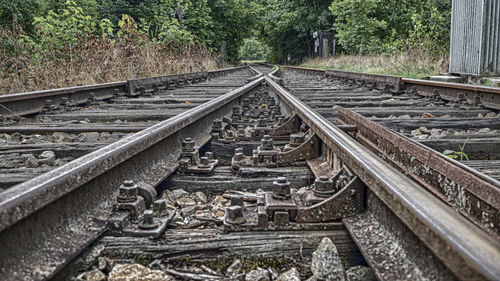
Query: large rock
[[360, 273], [291, 275], [137, 272], [258, 274], [326, 264]]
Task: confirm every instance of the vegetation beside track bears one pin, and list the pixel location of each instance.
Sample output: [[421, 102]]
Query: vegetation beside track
[[407, 64]]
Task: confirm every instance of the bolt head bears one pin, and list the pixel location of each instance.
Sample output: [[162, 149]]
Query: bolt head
[[188, 144], [209, 155], [236, 200], [239, 156], [204, 161], [281, 187], [127, 192], [159, 206], [323, 184], [234, 215]]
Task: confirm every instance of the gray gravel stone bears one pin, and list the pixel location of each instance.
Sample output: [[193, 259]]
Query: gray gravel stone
[[47, 154], [201, 197], [137, 272], [89, 137], [360, 273], [93, 275], [291, 275], [234, 269], [258, 274], [185, 202], [326, 264], [61, 137]]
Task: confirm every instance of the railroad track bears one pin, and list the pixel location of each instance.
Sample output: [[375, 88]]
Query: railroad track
[[261, 173], [44, 130]]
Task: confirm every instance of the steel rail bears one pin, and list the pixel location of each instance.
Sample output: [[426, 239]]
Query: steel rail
[[33, 102], [47, 221], [469, 252], [489, 96]]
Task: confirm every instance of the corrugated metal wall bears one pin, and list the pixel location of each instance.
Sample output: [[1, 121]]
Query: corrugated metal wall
[[475, 37]]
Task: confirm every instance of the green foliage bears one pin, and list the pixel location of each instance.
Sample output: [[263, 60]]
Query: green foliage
[[287, 26], [233, 22], [430, 32], [390, 26], [358, 30], [24, 11], [60, 29], [253, 49], [457, 155]]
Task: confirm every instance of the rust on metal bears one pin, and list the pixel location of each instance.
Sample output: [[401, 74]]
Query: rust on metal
[[474, 195]]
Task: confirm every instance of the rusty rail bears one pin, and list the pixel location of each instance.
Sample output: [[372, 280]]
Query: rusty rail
[[469, 252]]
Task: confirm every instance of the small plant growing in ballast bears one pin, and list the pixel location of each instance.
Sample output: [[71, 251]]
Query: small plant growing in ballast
[[457, 155]]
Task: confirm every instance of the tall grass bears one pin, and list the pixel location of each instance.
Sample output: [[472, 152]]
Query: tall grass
[[409, 64], [24, 67]]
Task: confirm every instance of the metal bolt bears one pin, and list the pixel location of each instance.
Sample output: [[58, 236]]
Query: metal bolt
[[188, 145], [236, 200], [239, 156], [209, 155], [216, 125], [236, 110], [230, 135], [91, 97], [159, 206], [148, 220], [204, 162], [267, 143], [323, 184], [281, 187], [127, 192], [234, 215]]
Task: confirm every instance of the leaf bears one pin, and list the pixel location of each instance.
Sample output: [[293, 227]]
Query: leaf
[[448, 152]]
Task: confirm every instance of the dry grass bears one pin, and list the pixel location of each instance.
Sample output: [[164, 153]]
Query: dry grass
[[94, 60], [409, 64]]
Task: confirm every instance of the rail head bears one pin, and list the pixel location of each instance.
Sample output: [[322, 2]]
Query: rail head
[[465, 249]]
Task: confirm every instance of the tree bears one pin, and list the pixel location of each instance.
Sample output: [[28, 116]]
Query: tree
[[357, 27], [287, 27], [252, 49]]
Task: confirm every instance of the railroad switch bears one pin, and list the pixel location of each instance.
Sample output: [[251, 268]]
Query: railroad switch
[[302, 146], [326, 202], [138, 213]]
